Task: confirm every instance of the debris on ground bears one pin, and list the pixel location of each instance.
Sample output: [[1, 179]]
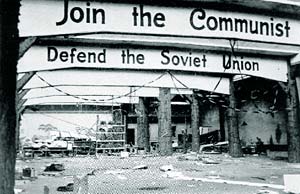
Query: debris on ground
[[55, 168], [28, 172], [177, 175], [209, 161], [265, 191], [140, 167], [18, 191], [213, 177], [259, 178], [166, 168], [69, 187], [188, 157], [124, 154], [93, 173], [46, 190], [54, 174], [152, 188], [194, 170], [122, 177], [114, 172]]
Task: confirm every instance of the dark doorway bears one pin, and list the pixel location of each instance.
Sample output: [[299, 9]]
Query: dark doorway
[[130, 136]]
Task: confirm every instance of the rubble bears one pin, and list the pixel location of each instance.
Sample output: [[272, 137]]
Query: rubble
[[140, 167], [264, 191], [18, 191], [114, 172], [124, 154], [177, 175], [122, 177], [69, 187], [166, 168], [209, 161], [55, 168]]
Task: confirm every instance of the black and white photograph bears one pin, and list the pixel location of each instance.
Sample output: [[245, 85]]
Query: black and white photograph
[[149, 97]]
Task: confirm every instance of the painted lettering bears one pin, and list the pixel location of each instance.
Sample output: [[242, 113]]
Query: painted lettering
[[239, 64], [187, 60], [200, 20], [79, 15], [73, 56], [140, 17]]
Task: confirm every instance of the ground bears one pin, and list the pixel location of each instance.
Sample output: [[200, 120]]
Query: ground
[[190, 173]]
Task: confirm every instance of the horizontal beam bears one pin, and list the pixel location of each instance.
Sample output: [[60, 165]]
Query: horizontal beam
[[179, 80]]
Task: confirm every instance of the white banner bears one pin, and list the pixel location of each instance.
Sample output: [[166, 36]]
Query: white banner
[[52, 17], [40, 58]]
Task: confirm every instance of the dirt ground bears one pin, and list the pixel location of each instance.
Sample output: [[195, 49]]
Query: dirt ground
[[188, 173]]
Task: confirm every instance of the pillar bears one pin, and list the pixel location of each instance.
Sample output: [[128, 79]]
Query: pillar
[[293, 120], [9, 45], [164, 122], [143, 134], [232, 121], [195, 123]]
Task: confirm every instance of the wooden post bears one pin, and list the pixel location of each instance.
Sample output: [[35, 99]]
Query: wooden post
[[293, 121], [232, 121], [164, 122], [195, 123], [298, 86], [143, 136], [222, 123], [9, 46]]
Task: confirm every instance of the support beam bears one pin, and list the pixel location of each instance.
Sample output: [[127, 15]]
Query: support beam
[[20, 110], [26, 77], [195, 123], [295, 60], [232, 121], [143, 133], [293, 120], [9, 46], [25, 45], [283, 86], [21, 103], [164, 122], [21, 94]]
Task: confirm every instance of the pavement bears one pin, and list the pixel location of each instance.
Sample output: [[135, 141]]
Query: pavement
[[180, 173]]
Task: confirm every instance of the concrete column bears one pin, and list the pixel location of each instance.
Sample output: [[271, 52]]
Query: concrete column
[[195, 123], [293, 120], [232, 121], [164, 122], [143, 134]]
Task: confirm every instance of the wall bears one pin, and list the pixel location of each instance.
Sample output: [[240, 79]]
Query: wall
[[210, 119], [254, 123], [153, 127]]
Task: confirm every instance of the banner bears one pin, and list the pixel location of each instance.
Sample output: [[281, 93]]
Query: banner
[[51, 17], [39, 58]]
